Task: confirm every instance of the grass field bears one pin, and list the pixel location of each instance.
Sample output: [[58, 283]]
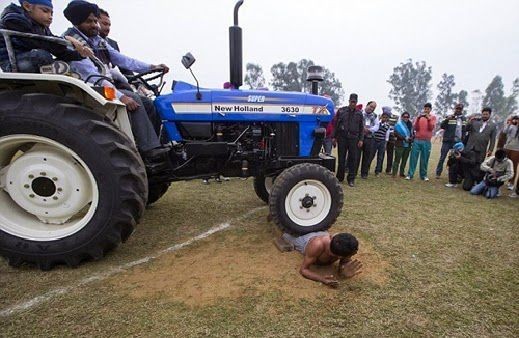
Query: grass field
[[438, 262]]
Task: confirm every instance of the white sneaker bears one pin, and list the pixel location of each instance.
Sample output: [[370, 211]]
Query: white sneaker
[[513, 195], [426, 179], [510, 187], [450, 185], [408, 178]]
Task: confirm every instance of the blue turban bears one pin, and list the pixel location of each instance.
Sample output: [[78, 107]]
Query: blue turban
[[459, 146], [47, 3], [78, 11]]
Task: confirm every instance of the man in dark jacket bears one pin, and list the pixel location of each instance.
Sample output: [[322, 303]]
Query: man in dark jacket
[[35, 17], [481, 135], [105, 25], [348, 135], [454, 131], [462, 165]]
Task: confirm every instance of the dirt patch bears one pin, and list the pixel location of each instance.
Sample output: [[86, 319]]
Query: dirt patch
[[231, 266]]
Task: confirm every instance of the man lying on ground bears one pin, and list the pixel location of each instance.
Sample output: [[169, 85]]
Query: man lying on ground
[[321, 248]]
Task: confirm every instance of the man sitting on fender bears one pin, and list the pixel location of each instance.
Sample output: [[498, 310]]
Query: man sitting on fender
[[84, 16]]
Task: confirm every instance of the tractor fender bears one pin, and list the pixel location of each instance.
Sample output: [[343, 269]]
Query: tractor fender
[[70, 87]]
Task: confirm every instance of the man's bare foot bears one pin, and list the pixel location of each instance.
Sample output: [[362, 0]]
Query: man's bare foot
[[282, 245]]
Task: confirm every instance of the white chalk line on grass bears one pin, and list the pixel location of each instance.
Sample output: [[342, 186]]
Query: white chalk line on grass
[[9, 311]]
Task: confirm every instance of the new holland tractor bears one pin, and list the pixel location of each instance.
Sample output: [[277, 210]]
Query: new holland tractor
[[72, 183]]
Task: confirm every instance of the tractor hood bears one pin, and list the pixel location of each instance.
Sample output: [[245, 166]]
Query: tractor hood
[[242, 105]]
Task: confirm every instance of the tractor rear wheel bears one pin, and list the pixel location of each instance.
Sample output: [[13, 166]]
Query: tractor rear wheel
[[263, 186], [72, 186], [305, 198]]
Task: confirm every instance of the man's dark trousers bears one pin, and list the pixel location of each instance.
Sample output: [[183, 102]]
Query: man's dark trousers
[[390, 154], [347, 146], [446, 146], [458, 170], [368, 151]]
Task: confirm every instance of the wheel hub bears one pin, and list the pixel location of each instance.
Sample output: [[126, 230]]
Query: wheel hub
[[43, 186], [48, 184], [308, 203]]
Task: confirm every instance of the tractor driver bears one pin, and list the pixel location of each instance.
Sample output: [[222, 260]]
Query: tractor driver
[[84, 16], [321, 248]]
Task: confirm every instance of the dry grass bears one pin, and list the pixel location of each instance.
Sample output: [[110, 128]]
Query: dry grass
[[438, 262]]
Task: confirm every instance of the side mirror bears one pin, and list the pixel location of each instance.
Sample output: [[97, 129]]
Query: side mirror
[[188, 60]]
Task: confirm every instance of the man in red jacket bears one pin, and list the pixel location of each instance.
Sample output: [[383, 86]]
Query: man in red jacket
[[423, 126]]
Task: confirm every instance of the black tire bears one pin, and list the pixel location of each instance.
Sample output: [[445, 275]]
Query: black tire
[[112, 159], [156, 191], [261, 189], [289, 179]]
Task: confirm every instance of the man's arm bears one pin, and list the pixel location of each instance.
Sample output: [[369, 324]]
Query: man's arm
[[127, 62], [376, 126], [313, 250], [492, 140], [361, 130], [509, 171]]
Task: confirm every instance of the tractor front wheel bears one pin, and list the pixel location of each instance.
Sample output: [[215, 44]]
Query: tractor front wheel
[[305, 198]]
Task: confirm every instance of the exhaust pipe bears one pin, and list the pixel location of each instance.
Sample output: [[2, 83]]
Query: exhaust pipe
[[235, 50]]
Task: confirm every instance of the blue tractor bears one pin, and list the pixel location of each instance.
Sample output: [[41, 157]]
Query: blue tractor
[[73, 186]]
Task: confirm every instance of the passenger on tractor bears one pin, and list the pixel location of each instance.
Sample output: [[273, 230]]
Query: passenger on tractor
[[35, 17], [85, 16], [121, 80], [105, 25]]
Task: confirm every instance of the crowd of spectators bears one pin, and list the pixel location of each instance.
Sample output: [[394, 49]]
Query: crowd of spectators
[[467, 145]]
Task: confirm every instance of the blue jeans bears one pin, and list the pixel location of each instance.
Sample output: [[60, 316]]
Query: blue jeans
[[420, 148], [30, 62], [380, 150], [446, 146], [482, 188]]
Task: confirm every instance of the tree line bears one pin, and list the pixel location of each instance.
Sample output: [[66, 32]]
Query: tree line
[[411, 84]]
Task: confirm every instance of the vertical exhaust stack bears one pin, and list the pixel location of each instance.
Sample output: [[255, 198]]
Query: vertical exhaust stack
[[235, 50], [315, 75]]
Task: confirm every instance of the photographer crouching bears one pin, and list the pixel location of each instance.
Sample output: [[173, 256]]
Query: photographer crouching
[[463, 166], [498, 169]]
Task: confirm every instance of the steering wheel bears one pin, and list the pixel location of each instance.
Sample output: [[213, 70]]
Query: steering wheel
[[146, 77]]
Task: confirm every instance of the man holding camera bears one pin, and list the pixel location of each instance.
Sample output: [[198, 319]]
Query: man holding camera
[[462, 165], [423, 129], [498, 169], [454, 131]]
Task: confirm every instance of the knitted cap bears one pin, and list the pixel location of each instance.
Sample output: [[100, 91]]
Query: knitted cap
[[47, 3]]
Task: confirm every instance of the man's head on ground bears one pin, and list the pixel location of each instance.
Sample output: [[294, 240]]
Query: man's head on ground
[[459, 147], [500, 155], [485, 113], [458, 109], [427, 108], [84, 15], [104, 23], [354, 98], [39, 10], [344, 245]]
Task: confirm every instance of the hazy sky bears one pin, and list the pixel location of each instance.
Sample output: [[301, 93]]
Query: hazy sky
[[360, 40]]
